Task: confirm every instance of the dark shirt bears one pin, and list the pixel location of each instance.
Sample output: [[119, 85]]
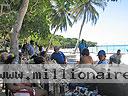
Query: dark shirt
[[59, 57]]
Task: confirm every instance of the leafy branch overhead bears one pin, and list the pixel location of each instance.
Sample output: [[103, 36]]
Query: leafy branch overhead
[[45, 14]]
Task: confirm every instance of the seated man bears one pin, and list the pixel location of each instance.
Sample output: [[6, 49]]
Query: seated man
[[102, 61], [41, 51], [102, 57], [116, 57], [58, 56], [86, 58], [30, 48]]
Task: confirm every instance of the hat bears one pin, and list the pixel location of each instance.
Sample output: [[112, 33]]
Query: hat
[[101, 52]]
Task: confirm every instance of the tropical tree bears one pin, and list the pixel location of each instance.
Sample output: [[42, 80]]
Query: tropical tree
[[14, 33], [57, 13], [86, 9], [35, 25], [35, 21], [59, 17], [7, 18]]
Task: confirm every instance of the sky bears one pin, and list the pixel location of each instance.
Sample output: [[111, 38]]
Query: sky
[[110, 29]]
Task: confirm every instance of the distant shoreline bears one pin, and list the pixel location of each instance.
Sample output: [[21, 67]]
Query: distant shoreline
[[110, 45]]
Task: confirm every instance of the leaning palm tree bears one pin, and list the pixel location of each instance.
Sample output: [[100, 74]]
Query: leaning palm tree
[[87, 10], [59, 17]]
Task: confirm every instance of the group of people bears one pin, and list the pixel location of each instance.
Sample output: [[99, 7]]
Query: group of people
[[27, 51], [31, 51], [85, 57], [37, 53], [31, 48]]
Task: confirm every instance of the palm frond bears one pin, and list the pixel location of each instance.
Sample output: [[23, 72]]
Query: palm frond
[[69, 21], [99, 3], [94, 14]]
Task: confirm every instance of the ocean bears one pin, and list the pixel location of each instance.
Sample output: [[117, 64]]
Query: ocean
[[109, 48]]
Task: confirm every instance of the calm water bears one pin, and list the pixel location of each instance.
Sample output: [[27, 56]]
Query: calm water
[[110, 48], [106, 48]]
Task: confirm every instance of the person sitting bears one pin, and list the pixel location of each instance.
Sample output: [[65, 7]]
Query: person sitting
[[102, 60], [58, 56], [36, 48], [39, 60], [116, 57], [102, 57], [6, 57], [30, 48], [10, 58], [41, 51], [85, 58], [24, 47]]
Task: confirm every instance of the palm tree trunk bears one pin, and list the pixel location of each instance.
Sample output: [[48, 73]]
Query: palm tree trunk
[[14, 34], [80, 31], [50, 41]]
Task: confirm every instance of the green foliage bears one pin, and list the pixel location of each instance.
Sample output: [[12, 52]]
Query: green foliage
[[64, 42], [35, 21], [35, 25], [69, 42], [14, 4], [6, 22], [58, 14], [88, 8], [90, 43], [10, 9], [43, 14]]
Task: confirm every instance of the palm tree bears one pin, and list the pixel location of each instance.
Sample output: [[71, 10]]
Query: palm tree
[[87, 10], [59, 17]]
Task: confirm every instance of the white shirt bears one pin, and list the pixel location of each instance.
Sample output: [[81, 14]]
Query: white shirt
[[118, 57]]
